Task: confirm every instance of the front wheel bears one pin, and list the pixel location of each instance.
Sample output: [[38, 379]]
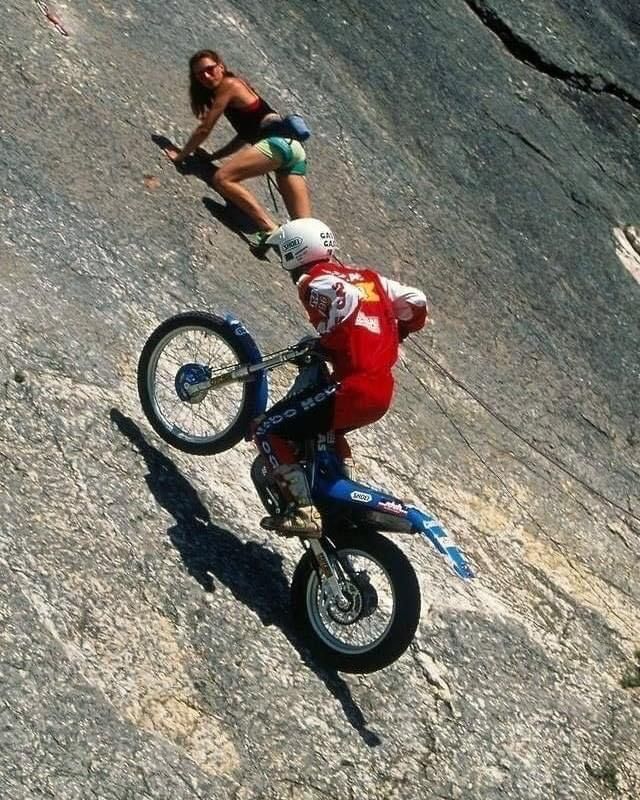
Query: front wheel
[[382, 611], [185, 385]]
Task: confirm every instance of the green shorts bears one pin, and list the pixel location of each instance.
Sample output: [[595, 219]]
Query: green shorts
[[288, 153]]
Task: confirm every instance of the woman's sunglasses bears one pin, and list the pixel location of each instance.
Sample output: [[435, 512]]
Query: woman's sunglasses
[[208, 71]]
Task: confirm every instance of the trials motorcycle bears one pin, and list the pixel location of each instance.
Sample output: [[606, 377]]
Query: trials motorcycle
[[202, 381]]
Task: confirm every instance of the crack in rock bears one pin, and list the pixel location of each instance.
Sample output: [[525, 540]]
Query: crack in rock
[[52, 17], [528, 55], [433, 675], [532, 443], [519, 135]]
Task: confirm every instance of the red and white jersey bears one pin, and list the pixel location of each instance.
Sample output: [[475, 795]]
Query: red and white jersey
[[359, 315]]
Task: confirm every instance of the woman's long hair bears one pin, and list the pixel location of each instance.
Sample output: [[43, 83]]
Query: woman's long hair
[[202, 98]]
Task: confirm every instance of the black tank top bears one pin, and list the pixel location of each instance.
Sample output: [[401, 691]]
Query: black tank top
[[246, 121]]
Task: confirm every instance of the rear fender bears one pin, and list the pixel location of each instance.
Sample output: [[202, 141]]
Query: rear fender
[[329, 484], [437, 536]]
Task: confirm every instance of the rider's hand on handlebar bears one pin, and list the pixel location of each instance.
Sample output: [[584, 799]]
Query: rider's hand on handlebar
[[309, 342], [309, 347]]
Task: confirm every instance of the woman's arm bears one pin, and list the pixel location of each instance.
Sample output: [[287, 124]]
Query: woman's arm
[[204, 128]]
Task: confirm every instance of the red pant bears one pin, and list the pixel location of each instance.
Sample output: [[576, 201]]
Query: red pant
[[356, 401], [362, 399]]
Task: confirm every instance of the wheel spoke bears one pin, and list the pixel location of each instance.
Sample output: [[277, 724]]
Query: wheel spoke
[[217, 411]]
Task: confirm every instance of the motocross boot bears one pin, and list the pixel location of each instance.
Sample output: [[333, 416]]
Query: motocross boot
[[301, 517]]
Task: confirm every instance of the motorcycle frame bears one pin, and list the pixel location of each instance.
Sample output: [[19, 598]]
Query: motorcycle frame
[[329, 485]]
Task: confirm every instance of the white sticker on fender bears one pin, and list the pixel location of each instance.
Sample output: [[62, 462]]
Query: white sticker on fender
[[361, 497]]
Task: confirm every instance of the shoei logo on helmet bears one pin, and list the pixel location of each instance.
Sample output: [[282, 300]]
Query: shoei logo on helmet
[[291, 244]]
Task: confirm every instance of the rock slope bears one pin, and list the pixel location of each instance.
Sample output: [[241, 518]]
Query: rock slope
[[486, 151]]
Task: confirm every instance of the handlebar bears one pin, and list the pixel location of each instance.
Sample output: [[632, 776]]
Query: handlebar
[[243, 372]]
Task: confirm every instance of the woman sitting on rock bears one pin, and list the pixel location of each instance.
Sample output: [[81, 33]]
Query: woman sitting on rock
[[215, 91]]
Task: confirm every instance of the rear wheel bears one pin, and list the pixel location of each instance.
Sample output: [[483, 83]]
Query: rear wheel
[[177, 364], [380, 617]]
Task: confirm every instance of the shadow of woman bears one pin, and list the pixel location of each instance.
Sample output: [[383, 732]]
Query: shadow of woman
[[250, 571], [198, 164], [201, 166]]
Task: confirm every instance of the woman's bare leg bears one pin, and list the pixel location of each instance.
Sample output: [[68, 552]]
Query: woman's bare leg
[[295, 193], [247, 163]]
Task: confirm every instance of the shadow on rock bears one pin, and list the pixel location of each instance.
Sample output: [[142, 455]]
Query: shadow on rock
[[231, 216], [236, 221], [200, 165], [250, 571]]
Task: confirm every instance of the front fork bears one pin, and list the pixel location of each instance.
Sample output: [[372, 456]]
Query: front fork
[[328, 576]]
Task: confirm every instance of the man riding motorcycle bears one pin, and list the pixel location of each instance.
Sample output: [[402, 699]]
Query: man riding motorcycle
[[360, 317]]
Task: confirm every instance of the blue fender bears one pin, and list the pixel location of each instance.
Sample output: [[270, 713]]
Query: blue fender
[[329, 484], [250, 355], [436, 534]]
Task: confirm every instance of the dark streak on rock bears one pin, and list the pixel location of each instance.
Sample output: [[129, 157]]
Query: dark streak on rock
[[527, 54], [521, 137]]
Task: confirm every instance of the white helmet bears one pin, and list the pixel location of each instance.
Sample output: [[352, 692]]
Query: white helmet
[[303, 241]]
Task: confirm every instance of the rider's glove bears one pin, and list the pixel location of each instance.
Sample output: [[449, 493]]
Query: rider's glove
[[311, 349], [311, 342], [402, 332]]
